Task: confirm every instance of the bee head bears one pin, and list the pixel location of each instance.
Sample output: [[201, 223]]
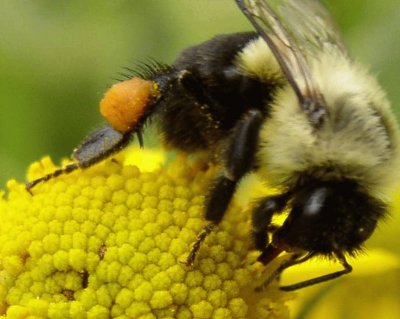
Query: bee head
[[328, 217]]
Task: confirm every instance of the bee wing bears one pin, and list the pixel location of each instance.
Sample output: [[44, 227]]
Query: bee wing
[[294, 31], [311, 26]]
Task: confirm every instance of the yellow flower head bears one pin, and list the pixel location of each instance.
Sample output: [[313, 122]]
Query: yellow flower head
[[108, 241]]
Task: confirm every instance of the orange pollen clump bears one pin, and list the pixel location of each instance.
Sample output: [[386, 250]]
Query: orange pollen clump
[[125, 102]]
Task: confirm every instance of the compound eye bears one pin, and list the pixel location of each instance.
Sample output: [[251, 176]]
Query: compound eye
[[315, 202]]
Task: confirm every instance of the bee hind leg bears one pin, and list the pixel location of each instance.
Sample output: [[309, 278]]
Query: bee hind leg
[[98, 146], [64, 170]]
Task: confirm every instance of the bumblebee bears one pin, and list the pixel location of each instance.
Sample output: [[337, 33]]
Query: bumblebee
[[285, 102]]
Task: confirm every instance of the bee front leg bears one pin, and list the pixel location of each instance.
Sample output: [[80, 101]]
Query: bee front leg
[[240, 158], [262, 215]]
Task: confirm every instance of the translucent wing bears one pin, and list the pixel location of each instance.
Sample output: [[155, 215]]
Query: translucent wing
[[311, 25], [295, 30]]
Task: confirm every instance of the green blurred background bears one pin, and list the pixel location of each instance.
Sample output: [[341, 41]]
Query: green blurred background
[[58, 57]]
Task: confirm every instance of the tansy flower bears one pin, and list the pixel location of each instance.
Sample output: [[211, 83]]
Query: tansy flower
[[109, 241]]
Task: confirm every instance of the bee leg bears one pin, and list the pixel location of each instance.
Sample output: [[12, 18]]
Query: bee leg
[[347, 268], [240, 158], [262, 216], [64, 170], [97, 146], [196, 246], [297, 259]]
